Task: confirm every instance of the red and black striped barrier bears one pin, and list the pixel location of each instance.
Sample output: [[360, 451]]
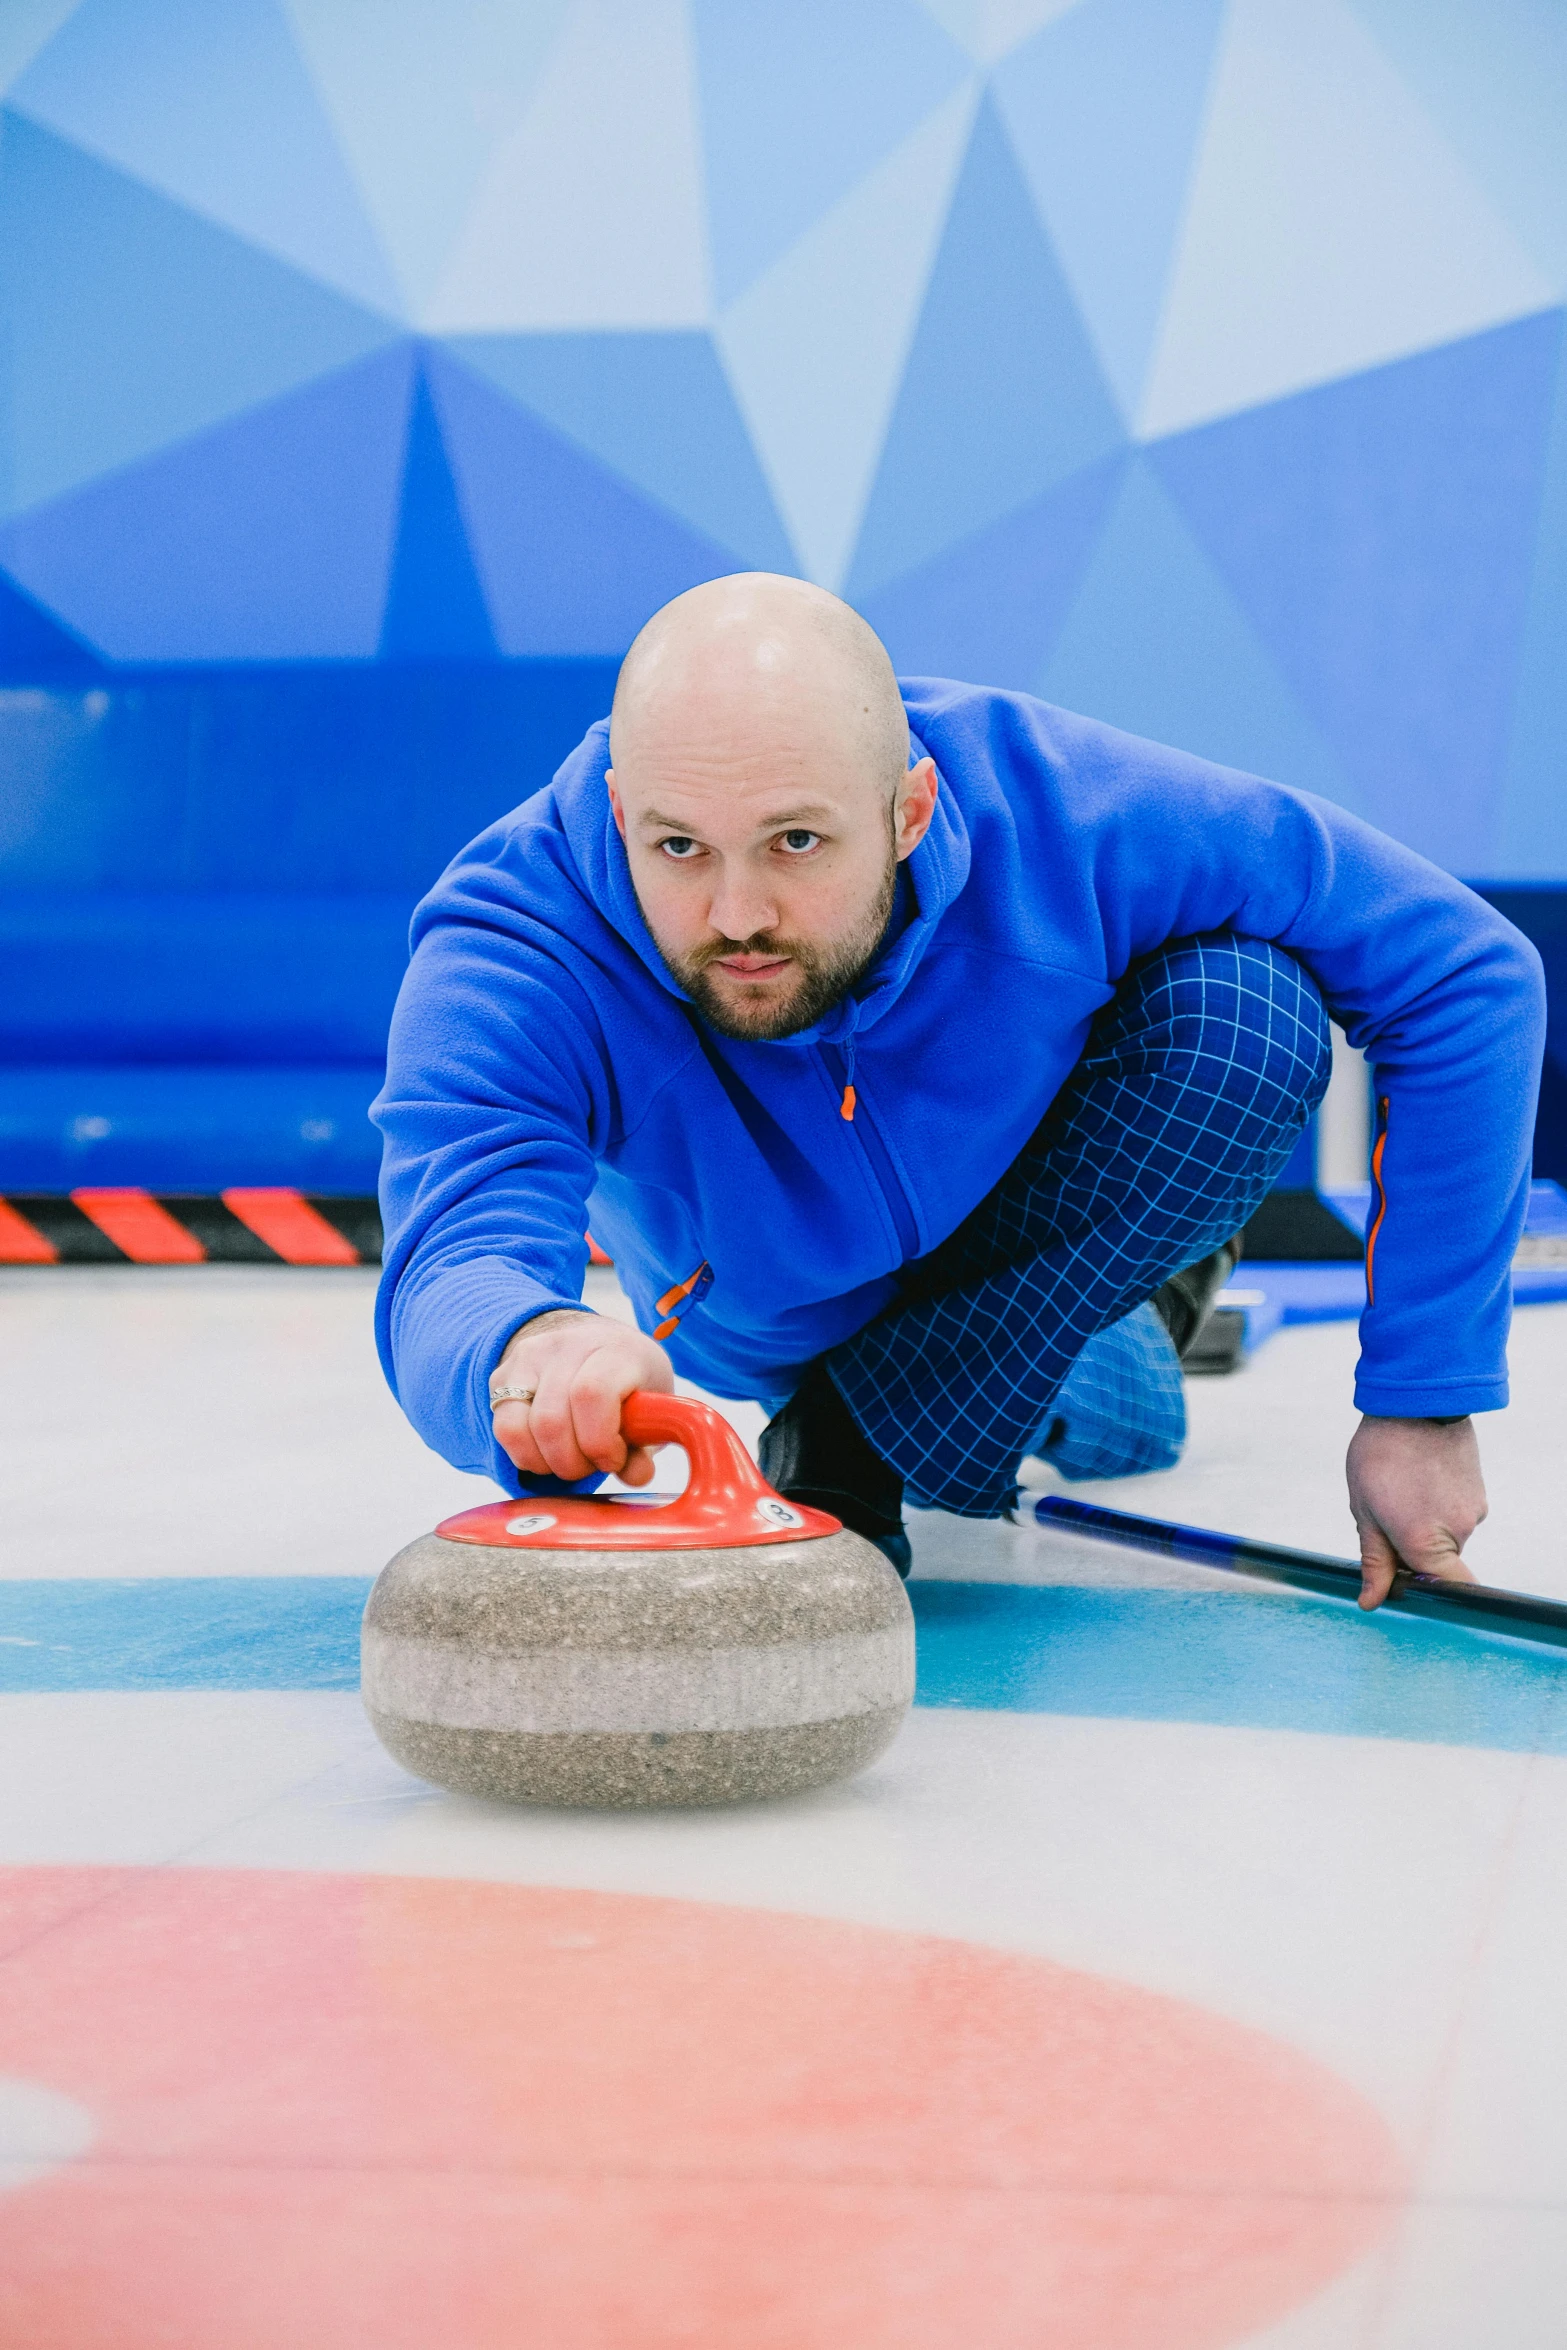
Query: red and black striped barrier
[[250, 1225], [122, 1225]]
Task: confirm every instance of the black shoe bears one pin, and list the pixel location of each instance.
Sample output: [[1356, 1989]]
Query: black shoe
[[1219, 1346], [813, 1452], [1185, 1302]]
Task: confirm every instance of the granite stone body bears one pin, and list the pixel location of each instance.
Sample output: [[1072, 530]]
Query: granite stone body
[[623, 1678]]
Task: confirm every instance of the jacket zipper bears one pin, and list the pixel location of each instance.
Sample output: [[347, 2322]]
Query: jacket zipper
[[1378, 1200], [855, 1112]]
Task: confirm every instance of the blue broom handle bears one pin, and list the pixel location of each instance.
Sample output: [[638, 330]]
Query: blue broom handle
[[1518, 1614]]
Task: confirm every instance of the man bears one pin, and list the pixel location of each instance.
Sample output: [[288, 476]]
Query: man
[[901, 1046]]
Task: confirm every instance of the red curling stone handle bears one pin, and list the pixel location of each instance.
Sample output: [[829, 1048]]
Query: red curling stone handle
[[727, 1505]]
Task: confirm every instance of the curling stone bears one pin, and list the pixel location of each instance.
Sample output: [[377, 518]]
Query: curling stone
[[708, 1647]]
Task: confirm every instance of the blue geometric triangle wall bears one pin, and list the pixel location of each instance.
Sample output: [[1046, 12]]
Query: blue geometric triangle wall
[[1003, 396], [799, 103], [1531, 820], [659, 411], [435, 606], [215, 107], [1156, 643], [34, 645], [991, 606], [900, 291], [268, 537], [1380, 533], [133, 321], [571, 559], [1105, 107], [1493, 75]]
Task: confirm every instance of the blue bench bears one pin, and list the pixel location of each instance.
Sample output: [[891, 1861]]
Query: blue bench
[[206, 877], [189, 1043]]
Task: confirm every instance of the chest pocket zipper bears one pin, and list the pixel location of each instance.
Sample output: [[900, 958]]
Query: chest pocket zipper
[[676, 1303], [878, 1160]]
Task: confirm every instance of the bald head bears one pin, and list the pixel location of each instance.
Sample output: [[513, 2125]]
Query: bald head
[[760, 778], [739, 656]]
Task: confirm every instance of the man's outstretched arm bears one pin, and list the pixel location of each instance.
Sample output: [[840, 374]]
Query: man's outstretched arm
[[494, 1090]]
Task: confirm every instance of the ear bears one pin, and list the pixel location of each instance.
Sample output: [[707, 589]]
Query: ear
[[915, 806], [614, 802]]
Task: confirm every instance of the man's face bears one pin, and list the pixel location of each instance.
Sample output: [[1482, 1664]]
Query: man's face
[[764, 860]]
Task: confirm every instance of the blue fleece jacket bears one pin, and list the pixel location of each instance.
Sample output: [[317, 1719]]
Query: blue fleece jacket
[[546, 1074]]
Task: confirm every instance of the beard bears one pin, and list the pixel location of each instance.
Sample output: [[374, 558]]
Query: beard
[[828, 970]]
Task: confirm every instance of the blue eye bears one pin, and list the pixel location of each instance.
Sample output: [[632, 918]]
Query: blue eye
[[678, 847], [799, 840]]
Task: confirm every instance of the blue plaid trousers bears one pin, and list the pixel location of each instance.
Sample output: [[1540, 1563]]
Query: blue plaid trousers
[[1121, 1409], [1196, 1082]]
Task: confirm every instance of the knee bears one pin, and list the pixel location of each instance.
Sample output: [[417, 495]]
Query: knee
[[1121, 1410], [1222, 1010]]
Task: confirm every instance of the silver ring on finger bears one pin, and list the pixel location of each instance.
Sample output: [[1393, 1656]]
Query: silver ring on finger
[[500, 1395]]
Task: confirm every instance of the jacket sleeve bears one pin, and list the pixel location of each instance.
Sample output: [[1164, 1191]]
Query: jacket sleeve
[[495, 1093], [1445, 998]]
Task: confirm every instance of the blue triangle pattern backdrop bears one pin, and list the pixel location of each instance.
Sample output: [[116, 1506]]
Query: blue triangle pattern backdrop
[[1198, 362]]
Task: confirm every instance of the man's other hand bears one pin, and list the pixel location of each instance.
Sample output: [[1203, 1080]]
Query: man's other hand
[[581, 1367], [1417, 1493]]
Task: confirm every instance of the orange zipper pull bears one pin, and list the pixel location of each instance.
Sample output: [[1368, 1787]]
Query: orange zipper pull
[[846, 1106]]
